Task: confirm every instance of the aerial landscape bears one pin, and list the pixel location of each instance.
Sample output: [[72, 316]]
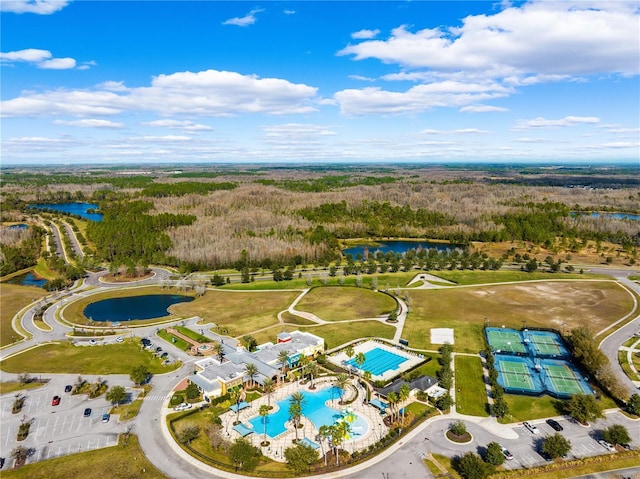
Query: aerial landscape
[[320, 239]]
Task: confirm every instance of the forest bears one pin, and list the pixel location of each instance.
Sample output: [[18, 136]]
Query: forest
[[224, 216]]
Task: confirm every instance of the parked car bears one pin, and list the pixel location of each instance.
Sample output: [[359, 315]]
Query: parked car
[[1, 462], [119, 339], [68, 388], [607, 445], [158, 349], [506, 453], [182, 407], [531, 427], [555, 425], [55, 401], [105, 417], [93, 342], [164, 355], [87, 412]]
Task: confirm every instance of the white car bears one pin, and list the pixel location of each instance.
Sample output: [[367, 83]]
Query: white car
[[607, 445], [182, 407], [93, 342], [531, 427], [506, 453], [119, 339]]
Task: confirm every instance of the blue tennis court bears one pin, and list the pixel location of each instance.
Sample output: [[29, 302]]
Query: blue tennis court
[[378, 361]]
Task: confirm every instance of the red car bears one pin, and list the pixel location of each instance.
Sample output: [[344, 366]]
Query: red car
[[55, 401]]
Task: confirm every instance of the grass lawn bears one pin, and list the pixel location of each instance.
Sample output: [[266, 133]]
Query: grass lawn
[[287, 317], [503, 276], [524, 408], [74, 311], [334, 334], [471, 395], [544, 304], [12, 386], [622, 359], [238, 312], [122, 461], [341, 303], [69, 359], [12, 299], [43, 270], [170, 338]]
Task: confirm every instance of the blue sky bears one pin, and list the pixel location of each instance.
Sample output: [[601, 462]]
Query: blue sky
[[284, 82]]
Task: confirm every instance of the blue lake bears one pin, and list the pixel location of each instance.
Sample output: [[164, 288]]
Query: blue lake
[[399, 247], [27, 279], [133, 307], [19, 226], [79, 209], [617, 216]]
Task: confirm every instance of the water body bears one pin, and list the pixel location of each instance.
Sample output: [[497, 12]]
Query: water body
[[617, 216], [19, 226], [399, 247], [27, 279], [79, 209], [131, 308]]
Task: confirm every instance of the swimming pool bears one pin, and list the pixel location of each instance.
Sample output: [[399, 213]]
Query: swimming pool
[[378, 361], [314, 409]]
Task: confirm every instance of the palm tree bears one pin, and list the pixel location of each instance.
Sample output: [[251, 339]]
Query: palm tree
[[236, 395], [268, 388], [303, 362], [336, 439], [283, 359], [264, 412], [295, 409], [392, 399], [218, 350], [341, 382], [324, 433], [349, 352], [312, 370], [403, 395], [360, 360], [251, 370]]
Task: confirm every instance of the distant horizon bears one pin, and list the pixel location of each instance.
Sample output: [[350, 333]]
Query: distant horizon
[[535, 81]]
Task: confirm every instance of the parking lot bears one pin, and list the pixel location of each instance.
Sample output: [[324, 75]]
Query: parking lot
[[58, 430]]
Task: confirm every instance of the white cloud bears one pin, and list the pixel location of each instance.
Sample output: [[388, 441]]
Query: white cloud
[[248, 19], [58, 64], [90, 123], [161, 138], [562, 122], [360, 78], [179, 125], [482, 108], [289, 12], [87, 65], [41, 7], [365, 34], [526, 139], [537, 41], [205, 93], [460, 131], [420, 98], [40, 58]]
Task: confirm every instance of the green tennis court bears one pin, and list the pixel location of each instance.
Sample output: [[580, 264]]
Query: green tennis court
[[509, 340], [563, 379], [516, 375]]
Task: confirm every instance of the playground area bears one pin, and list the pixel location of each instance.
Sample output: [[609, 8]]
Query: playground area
[[534, 362]]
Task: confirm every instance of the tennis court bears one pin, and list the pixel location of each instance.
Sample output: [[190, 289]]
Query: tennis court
[[562, 379], [504, 340], [515, 375], [545, 344]]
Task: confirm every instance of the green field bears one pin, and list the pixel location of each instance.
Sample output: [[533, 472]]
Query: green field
[[69, 359], [12, 299], [121, 461], [503, 276], [471, 393], [558, 305], [341, 303]]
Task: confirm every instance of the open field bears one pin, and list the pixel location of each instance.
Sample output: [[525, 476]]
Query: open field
[[69, 359], [123, 461], [503, 276], [7, 387], [238, 312], [471, 395], [558, 305], [341, 303], [74, 311], [12, 299], [334, 334]]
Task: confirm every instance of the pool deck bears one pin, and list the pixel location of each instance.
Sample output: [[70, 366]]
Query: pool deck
[[275, 450], [413, 359]]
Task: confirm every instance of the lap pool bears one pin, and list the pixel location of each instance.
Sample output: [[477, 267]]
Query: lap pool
[[378, 361], [314, 409]]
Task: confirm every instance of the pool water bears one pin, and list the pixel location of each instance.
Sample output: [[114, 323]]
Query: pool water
[[314, 409], [378, 361]]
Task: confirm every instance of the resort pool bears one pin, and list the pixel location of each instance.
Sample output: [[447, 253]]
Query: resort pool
[[314, 409], [378, 361]]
